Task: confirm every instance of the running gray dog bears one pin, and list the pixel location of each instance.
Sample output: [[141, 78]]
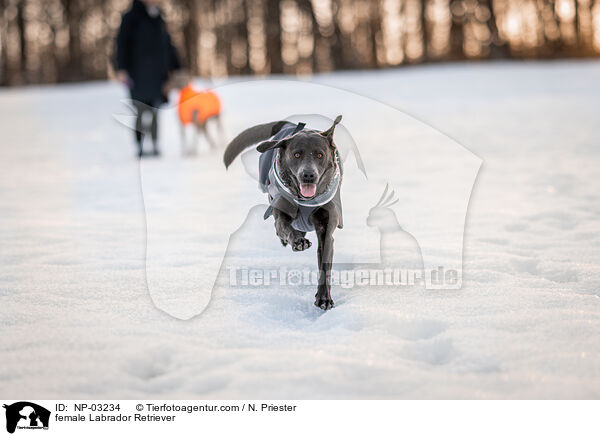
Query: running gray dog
[[301, 171]]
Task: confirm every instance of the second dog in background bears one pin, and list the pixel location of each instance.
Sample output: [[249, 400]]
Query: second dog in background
[[197, 108]]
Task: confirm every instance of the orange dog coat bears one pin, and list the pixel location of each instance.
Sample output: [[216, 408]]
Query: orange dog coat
[[198, 106]]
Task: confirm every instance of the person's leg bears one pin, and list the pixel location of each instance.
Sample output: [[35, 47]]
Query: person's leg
[[139, 126], [154, 129]]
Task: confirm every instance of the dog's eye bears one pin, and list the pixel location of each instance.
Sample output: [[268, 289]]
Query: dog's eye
[[297, 155], [319, 155]]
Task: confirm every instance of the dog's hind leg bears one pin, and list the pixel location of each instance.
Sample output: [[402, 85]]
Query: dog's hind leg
[[193, 151], [287, 234], [220, 128], [325, 220], [183, 141], [208, 137]]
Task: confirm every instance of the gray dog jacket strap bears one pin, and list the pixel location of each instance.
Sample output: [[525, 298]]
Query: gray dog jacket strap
[[280, 203], [299, 127]]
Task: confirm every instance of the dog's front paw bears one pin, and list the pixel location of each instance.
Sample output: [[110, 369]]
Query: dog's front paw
[[324, 303], [301, 244]]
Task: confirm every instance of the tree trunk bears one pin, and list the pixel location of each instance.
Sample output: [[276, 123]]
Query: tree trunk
[[4, 71], [558, 44], [221, 27], [73, 69], [337, 43], [22, 35], [425, 30], [273, 30], [498, 48], [456, 36], [230, 33], [306, 5], [190, 33], [375, 30], [242, 31]]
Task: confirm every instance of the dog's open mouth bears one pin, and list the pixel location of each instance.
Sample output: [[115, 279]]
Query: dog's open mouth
[[308, 190]]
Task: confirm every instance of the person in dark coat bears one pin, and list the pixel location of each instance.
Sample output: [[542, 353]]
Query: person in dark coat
[[145, 57]]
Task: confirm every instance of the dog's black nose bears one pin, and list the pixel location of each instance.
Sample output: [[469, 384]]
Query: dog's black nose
[[308, 176]]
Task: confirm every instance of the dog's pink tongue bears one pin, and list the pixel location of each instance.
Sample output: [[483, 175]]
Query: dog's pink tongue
[[308, 190]]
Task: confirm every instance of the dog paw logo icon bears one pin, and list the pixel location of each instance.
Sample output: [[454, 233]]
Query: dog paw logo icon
[[26, 415]]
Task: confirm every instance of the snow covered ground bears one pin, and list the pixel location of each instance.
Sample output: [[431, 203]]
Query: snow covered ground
[[77, 320]]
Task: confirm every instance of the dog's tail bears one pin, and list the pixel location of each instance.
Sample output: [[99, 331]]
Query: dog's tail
[[249, 137]]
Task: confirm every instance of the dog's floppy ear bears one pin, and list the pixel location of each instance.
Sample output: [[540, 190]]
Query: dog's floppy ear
[[329, 132], [270, 145]]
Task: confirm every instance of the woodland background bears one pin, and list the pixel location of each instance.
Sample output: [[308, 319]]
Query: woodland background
[[54, 41]]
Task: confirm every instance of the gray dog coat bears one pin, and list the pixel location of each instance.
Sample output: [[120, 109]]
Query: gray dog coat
[[282, 198]]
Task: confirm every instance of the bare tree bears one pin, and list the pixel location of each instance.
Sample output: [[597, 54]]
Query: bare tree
[[73, 15], [21, 24], [273, 33], [498, 47], [457, 35], [425, 29], [4, 61], [242, 34], [191, 35], [306, 6], [374, 30], [337, 40], [350, 36]]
